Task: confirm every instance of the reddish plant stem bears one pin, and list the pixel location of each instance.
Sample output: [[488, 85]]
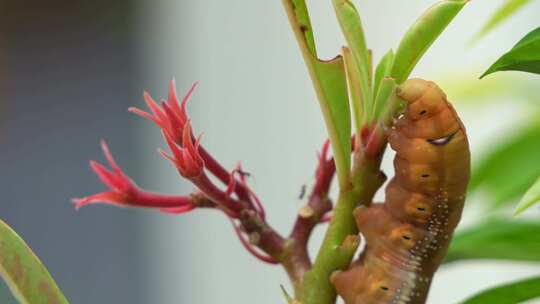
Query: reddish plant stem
[[318, 205], [249, 247], [309, 216], [229, 204], [262, 235], [155, 200], [251, 219], [222, 174]]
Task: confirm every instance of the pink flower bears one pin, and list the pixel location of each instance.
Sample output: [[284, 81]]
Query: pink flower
[[122, 188], [185, 157], [124, 192], [172, 115]]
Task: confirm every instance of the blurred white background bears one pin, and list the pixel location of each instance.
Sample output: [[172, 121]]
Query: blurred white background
[[255, 103]]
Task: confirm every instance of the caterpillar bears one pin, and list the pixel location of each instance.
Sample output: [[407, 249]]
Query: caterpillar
[[407, 237]]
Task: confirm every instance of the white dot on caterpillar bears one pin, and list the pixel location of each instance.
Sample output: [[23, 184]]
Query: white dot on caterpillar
[[413, 264]]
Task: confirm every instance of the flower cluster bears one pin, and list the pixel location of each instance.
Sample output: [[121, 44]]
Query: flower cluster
[[193, 163]]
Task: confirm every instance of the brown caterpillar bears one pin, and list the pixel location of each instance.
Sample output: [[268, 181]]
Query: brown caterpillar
[[408, 236]]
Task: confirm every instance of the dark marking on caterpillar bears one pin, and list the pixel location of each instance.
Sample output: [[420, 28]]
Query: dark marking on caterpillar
[[407, 237]]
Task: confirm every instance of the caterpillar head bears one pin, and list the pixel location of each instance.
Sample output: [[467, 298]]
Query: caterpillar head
[[424, 97]]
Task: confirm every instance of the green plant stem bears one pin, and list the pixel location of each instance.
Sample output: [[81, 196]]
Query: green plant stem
[[335, 253]]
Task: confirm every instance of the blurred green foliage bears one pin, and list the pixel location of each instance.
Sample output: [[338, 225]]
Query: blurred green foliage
[[503, 13], [510, 167], [498, 238], [531, 197], [515, 292]]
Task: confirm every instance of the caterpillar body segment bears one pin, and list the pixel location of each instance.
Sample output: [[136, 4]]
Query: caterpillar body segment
[[407, 237]]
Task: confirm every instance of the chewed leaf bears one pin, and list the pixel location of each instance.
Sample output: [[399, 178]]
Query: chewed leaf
[[25, 275], [515, 292], [331, 87], [382, 70], [524, 56], [531, 197], [351, 25], [329, 81]]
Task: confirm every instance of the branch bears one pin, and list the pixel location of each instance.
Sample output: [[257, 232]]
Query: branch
[[340, 240], [317, 206]]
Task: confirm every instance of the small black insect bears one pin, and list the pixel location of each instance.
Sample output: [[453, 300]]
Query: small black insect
[[302, 192]]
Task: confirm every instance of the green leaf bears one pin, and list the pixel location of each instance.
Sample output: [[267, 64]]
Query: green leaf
[[515, 292], [421, 36], [330, 84], [502, 239], [531, 197], [353, 82], [351, 25], [505, 11], [383, 70], [28, 279], [510, 167], [524, 56], [386, 92]]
